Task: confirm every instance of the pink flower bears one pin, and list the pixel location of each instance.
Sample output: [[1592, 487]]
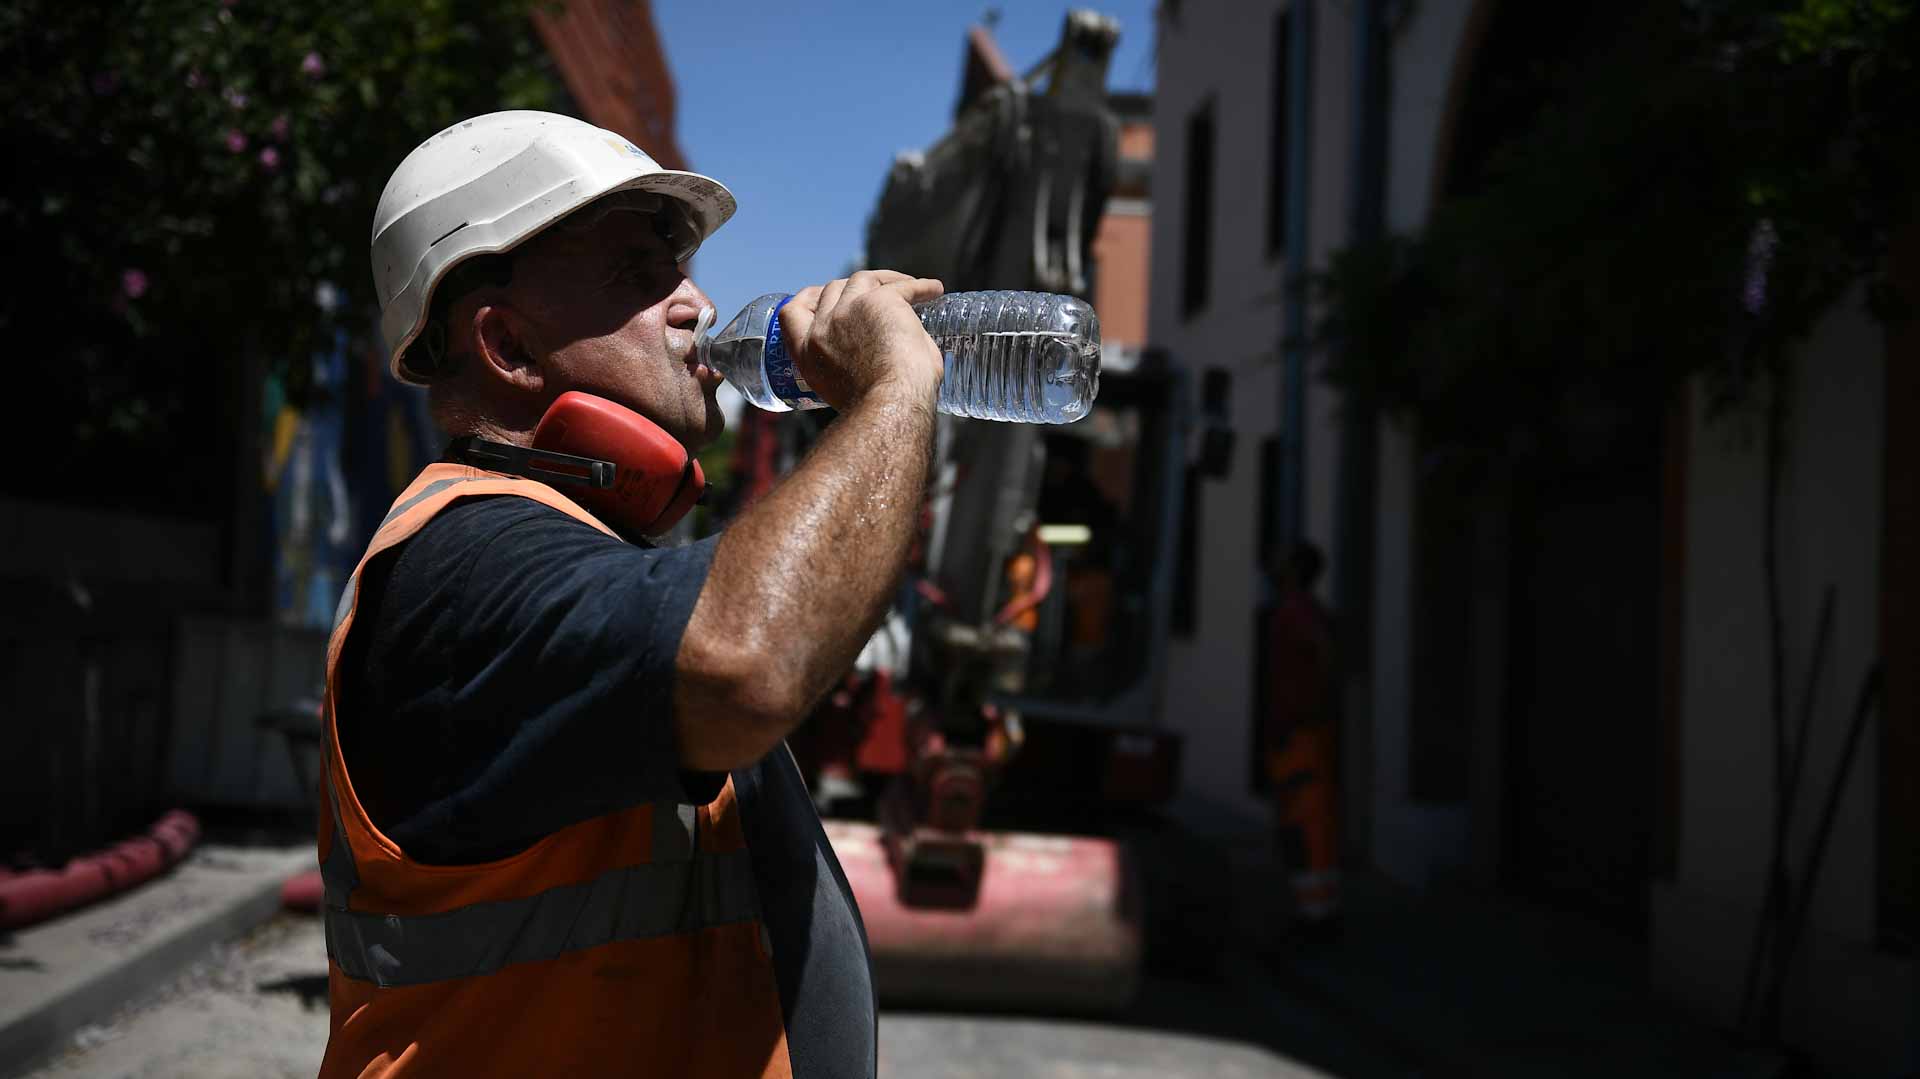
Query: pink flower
[[194, 79], [313, 66], [133, 283], [235, 98], [236, 142], [270, 159], [280, 126]]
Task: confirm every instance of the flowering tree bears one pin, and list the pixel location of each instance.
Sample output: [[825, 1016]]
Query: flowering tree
[[192, 187]]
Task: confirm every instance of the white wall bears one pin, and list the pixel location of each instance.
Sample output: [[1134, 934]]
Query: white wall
[[1847, 1002], [1330, 132], [1409, 841], [1223, 50]]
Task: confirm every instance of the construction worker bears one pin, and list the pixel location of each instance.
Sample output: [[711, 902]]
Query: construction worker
[[1069, 495], [1300, 740], [561, 834]]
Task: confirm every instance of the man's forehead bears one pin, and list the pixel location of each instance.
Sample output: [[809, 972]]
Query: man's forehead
[[609, 232]]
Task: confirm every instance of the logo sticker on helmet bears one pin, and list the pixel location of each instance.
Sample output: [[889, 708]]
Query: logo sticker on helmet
[[627, 147]]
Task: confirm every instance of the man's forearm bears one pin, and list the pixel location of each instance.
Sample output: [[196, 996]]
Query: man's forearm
[[799, 582]]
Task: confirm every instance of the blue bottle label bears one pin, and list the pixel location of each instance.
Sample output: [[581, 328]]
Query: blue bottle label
[[782, 377]]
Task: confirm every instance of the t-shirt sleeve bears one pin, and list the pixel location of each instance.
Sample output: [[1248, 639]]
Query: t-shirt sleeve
[[559, 681]]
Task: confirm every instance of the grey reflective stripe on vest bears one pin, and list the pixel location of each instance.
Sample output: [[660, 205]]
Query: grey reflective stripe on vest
[[338, 875], [347, 595], [353, 579], [432, 489], [680, 891], [674, 831], [632, 903]]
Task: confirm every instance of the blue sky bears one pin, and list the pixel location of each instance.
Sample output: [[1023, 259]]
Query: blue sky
[[800, 108]]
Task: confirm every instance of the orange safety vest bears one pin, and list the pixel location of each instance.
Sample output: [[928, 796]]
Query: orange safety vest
[[625, 945], [1302, 771]]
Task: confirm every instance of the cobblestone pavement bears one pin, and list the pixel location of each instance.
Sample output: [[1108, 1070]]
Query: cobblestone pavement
[[256, 1008]]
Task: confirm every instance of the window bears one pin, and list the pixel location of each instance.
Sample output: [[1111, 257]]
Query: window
[[1198, 254], [1277, 162], [1185, 613]]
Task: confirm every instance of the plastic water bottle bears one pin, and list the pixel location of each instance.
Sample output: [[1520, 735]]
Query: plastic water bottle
[[1030, 357]]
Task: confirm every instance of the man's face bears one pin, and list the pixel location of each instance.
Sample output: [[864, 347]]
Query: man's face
[[608, 312]]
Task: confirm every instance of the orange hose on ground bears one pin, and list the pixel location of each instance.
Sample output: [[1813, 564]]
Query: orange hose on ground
[[39, 894]]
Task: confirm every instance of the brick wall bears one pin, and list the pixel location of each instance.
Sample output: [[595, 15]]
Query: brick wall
[[610, 58]]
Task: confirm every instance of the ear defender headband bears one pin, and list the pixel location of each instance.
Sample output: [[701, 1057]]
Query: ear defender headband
[[618, 464]]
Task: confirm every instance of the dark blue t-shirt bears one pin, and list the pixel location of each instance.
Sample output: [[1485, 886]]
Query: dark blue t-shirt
[[511, 673]]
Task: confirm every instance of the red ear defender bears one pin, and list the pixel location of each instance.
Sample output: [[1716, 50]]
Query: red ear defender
[[655, 481]]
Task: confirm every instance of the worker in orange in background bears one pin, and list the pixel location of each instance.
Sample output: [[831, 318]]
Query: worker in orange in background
[[1300, 739]]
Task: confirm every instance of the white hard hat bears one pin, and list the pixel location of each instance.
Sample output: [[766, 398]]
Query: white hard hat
[[485, 185]]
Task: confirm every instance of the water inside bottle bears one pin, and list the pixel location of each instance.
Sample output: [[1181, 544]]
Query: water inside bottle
[[1030, 376], [1066, 373], [738, 360]]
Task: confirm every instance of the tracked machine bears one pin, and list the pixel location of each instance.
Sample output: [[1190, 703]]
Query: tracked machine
[[979, 769]]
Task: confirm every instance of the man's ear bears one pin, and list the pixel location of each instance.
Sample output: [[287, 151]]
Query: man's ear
[[500, 343]]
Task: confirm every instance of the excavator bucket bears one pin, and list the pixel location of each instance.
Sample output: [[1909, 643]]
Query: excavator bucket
[[999, 920]]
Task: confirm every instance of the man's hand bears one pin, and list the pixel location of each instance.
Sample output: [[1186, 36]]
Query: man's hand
[[803, 576], [859, 334]]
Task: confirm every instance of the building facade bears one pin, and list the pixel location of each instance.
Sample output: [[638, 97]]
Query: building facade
[[1122, 244], [1560, 689]]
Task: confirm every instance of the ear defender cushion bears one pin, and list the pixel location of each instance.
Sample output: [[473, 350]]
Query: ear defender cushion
[[655, 481]]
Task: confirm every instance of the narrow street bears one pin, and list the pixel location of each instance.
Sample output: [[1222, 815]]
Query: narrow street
[[256, 1008]]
